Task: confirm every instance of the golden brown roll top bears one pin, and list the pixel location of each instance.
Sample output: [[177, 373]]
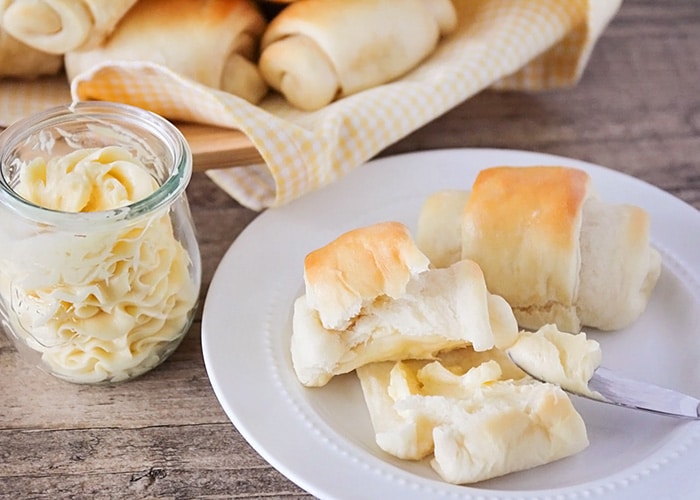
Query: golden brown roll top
[[522, 226], [317, 50], [359, 266], [213, 42]]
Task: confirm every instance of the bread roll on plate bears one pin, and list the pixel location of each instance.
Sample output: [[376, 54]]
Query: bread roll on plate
[[59, 26], [359, 266], [315, 51], [381, 302], [213, 42], [468, 412], [555, 251]]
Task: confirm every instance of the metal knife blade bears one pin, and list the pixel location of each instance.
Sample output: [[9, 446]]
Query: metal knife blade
[[618, 390]]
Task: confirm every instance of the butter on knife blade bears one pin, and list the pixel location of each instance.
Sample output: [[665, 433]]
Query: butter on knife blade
[[573, 362]]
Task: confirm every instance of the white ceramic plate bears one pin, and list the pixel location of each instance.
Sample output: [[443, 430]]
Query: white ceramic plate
[[322, 439]]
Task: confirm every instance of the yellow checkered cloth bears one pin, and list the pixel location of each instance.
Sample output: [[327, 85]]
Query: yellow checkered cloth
[[505, 44]]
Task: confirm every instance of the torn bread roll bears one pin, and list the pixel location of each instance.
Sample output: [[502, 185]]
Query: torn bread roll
[[358, 267], [555, 251], [18, 60], [315, 51], [479, 416], [374, 284], [213, 42], [60, 26]]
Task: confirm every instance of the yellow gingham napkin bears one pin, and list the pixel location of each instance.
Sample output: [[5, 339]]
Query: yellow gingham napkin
[[507, 44]]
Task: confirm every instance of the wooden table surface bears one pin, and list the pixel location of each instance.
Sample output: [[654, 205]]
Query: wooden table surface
[[637, 110]]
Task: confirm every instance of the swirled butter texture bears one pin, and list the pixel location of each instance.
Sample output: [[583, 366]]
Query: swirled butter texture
[[109, 304]]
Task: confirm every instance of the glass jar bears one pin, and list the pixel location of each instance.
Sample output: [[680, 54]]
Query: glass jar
[[100, 269]]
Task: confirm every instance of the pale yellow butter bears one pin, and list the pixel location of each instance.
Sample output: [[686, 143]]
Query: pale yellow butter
[[86, 180], [104, 305], [560, 358]]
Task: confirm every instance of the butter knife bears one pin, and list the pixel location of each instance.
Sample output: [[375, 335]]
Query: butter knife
[[607, 386], [621, 391]]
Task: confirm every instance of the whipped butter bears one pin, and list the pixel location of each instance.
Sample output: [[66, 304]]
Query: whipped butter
[[557, 357], [104, 304]]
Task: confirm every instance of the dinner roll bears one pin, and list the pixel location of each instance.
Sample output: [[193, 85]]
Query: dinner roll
[[374, 288], [18, 60], [468, 416], [555, 251], [359, 266], [213, 42], [317, 50], [59, 26]]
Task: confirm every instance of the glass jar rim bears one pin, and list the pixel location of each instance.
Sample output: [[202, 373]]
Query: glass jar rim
[[99, 111]]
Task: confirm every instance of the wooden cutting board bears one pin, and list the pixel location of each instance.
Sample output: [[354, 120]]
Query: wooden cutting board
[[215, 147]]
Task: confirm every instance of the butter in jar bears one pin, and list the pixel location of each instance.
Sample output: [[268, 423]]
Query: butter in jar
[[100, 270]]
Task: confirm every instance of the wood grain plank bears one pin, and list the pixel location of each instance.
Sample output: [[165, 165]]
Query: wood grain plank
[[44, 402], [118, 462]]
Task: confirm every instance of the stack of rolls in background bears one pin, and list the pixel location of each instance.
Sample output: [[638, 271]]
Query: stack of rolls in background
[[309, 51]]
